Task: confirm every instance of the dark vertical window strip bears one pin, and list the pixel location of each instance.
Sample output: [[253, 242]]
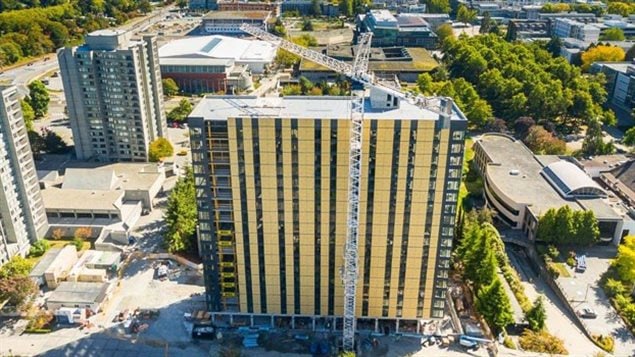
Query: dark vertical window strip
[[259, 229], [281, 221], [318, 214], [372, 150], [296, 215], [392, 205], [332, 216], [243, 213], [428, 219], [406, 217]]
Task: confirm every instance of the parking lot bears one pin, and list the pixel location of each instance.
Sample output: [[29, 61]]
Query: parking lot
[[583, 291]]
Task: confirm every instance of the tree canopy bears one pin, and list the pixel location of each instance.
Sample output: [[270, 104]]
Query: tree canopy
[[566, 226], [612, 34], [625, 260], [523, 79], [537, 316], [159, 149], [170, 88], [444, 32], [542, 142], [180, 215], [181, 112], [601, 53], [28, 114], [38, 98]]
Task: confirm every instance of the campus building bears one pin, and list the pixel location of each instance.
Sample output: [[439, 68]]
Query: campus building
[[229, 22], [22, 216], [271, 178], [407, 30], [520, 187], [114, 96]]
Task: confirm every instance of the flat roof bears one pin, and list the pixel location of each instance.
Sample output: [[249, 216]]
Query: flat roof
[[237, 15], [45, 262], [79, 292], [516, 172], [196, 62], [220, 47], [302, 107], [70, 199], [616, 66]]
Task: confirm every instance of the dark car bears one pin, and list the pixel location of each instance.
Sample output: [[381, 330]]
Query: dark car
[[587, 313]]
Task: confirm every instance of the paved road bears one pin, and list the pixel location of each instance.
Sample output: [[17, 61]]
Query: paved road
[[559, 322], [583, 290], [21, 76]]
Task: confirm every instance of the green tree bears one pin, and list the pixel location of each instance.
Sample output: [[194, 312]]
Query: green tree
[[159, 149], [612, 34], [28, 114], [39, 248], [278, 28], [593, 143], [486, 23], [554, 46], [444, 32], [307, 25], [465, 15], [438, 6], [493, 304], [536, 316], [180, 215], [541, 341], [625, 260], [17, 266], [170, 88], [181, 112], [629, 137], [542, 142], [182, 4], [38, 98], [346, 7]]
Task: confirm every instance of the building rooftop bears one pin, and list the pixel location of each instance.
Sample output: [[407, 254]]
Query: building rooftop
[[71, 199], [217, 62], [616, 66], [415, 59], [220, 47], [518, 174], [89, 179], [45, 262], [570, 179], [237, 15], [79, 293], [318, 107]]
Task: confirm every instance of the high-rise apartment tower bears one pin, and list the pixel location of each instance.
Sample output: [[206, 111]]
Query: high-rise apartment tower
[[271, 179], [114, 96], [22, 216]]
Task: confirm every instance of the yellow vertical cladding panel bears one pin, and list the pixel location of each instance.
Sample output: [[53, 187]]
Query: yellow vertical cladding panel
[[381, 200], [269, 193], [343, 135], [306, 154], [418, 213], [233, 156], [404, 151], [251, 209], [324, 214], [430, 277], [363, 199], [288, 211]]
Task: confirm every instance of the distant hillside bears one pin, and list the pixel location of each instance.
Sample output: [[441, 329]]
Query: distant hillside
[[33, 28]]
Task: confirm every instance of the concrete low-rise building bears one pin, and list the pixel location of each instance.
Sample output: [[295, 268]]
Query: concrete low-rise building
[[88, 295], [520, 187], [111, 197], [407, 30]]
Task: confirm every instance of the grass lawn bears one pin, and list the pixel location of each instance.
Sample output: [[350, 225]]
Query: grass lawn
[[61, 243], [564, 272]]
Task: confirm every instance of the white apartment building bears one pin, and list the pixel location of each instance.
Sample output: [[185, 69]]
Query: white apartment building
[[22, 216]]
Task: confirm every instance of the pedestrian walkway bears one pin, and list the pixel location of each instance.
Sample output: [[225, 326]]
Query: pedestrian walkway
[[519, 315]]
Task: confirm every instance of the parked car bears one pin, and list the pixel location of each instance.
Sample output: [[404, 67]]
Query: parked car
[[587, 313]]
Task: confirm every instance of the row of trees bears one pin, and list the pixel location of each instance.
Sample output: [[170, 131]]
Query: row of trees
[[306, 87], [35, 106], [30, 30], [477, 257], [180, 215], [566, 226], [619, 284]]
